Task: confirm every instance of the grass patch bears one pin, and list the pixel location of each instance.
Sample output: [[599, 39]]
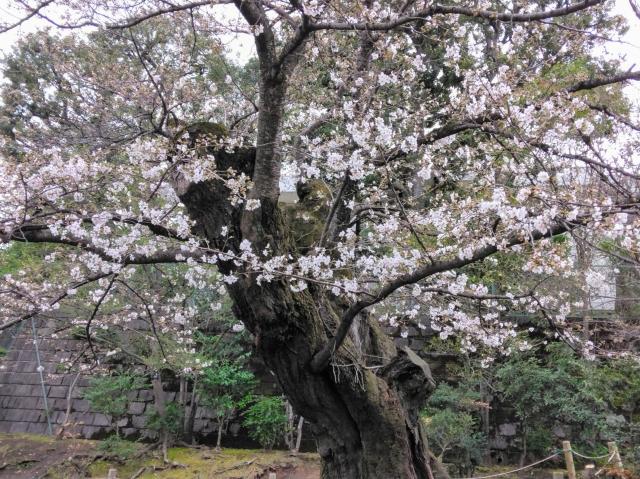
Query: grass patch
[[9, 437], [45, 456], [203, 464]]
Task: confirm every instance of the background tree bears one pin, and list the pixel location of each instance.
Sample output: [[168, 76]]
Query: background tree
[[452, 425], [109, 395], [266, 420], [555, 390], [225, 388]]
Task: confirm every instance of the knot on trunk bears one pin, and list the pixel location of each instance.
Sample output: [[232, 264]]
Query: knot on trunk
[[209, 203], [411, 376]]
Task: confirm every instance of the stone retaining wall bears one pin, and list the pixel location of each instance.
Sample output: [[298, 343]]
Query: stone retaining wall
[[22, 403]]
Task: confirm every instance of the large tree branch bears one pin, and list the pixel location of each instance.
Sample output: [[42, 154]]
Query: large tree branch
[[126, 23], [616, 116], [266, 173], [480, 122], [132, 22], [321, 359], [455, 10], [295, 44], [33, 12], [636, 7], [39, 234], [588, 161], [155, 83], [602, 81], [339, 214], [87, 328], [256, 17], [155, 228]]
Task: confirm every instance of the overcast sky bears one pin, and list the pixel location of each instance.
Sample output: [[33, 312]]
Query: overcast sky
[[630, 50]]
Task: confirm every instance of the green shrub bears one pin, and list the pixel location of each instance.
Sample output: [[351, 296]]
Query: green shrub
[[452, 425], [555, 387], [78, 332], [108, 394], [225, 388], [448, 430], [118, 448], [618, 381], [266, 420], [171, 422]]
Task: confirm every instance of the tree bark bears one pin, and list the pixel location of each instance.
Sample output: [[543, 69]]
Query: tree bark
[[219, 437], [363, 413], [160, 406], [190, 415]]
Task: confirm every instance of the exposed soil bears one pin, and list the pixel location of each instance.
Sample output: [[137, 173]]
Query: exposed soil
[[303, 470], [27, 456]]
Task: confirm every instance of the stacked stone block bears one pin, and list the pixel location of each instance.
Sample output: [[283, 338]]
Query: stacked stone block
[[22, 403]]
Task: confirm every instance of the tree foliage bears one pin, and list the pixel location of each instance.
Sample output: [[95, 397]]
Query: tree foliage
[[109, 394], [266, 420]]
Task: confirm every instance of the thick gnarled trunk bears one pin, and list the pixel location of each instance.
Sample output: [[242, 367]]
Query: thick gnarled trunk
[[364, 407], [364, 416]]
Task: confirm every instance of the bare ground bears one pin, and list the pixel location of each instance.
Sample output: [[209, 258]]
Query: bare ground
[[27, 456]]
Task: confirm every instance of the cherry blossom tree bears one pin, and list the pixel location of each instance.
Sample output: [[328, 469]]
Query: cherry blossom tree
[[423, 140]]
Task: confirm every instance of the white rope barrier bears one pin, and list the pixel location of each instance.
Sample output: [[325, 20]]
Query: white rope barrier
[[589, 457], [572, 451], [584, 456], [515, 470], [608, 461]]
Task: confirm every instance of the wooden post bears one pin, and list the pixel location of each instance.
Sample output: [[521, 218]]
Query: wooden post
[[589, 472], [568, 459], [613, 451], [558, 474], [299, 434]]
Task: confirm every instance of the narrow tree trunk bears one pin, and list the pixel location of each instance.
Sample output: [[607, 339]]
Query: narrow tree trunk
[[288, 434], [190, 415], [293, 436], [65, 422], [584, 264], [523, 456], [298, 435], [441, 470], [159, 403], [219, 440], [485, 418], [182, 392]]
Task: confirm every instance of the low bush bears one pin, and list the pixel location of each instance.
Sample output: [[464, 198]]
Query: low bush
[[266, 420]]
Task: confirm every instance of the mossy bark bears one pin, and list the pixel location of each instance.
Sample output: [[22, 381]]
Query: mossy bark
[[364, 408]]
